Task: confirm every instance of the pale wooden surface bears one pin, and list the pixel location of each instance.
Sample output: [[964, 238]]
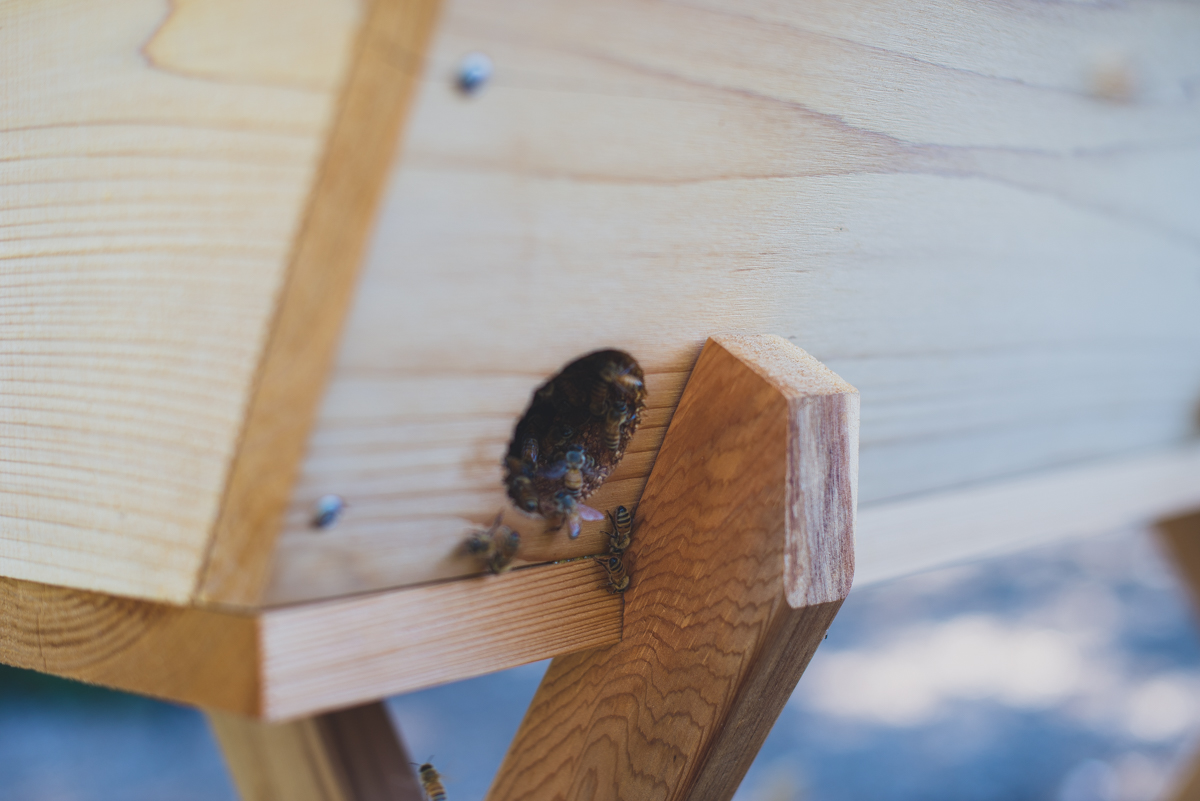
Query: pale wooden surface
[[351, 755], [711, 648], [330, 654], [300, 660], [156, 162], [947, 203], [320, 282], [904, 537]]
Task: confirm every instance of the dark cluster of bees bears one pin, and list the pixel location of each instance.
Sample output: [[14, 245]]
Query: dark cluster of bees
[[573, 434], [569, 440]]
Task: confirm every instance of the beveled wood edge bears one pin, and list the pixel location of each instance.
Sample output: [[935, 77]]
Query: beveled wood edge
[[822, 480], [315, 299], [288, 662]]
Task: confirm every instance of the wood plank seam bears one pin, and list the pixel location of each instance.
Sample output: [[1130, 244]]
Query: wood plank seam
[[316, 295]]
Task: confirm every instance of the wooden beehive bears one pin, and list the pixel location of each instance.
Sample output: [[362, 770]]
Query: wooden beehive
[[260, 252]]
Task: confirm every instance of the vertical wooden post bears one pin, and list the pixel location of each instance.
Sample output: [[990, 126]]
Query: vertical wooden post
[[742, 555], [350, 755], [1181, 537]]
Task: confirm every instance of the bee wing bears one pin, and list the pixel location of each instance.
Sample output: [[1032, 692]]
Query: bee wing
[[556, 470], [588, 513]]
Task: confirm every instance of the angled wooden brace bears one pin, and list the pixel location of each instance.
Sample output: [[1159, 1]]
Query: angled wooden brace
[[742, 554]]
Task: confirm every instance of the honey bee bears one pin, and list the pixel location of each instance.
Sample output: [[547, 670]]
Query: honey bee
[[495, 546], [622, 533], [599, 401], [570, 470], [569, 511], [523, 492], [622, 377], [505, 544], [612, 424], [561, 434], [529, 452], [618, 579], [431, 783]]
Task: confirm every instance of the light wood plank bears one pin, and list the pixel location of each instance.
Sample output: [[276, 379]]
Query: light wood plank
[[1000, 517], [156, 163], [320, 283], [300, 660], [758, 457], [330, 654], [351, 755], [936, 198]]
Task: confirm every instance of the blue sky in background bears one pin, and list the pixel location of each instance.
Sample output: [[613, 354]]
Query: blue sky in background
[[1069, 673]]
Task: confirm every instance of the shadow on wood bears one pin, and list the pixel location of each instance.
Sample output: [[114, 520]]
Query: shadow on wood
[[351, 755], [741, 557]]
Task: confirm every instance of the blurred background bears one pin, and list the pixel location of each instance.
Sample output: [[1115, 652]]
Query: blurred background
[[1069, 673]]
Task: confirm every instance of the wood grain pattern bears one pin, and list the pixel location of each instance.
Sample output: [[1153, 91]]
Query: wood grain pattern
[[156, 162], [331, 654], [937, 199], [354, 754], [193, 656], [711, 647], [301, 660], [320, 283]]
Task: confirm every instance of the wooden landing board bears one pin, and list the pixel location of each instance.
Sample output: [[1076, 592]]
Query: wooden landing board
[[721, 618], [293, 661], [157, 159], [954, 206]]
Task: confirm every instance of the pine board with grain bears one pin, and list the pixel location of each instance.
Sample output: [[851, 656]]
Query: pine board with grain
[[978, 215]]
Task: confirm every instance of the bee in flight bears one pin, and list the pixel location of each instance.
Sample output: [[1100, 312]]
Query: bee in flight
[[431, 783], [622, 533], [569, 511], [495, 546], [618, 579]]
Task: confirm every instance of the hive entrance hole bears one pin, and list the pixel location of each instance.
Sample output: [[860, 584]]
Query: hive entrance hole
[[573, 435]]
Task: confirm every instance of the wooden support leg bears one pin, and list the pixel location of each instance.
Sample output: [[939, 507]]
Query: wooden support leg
[[1181, 536], [350, 755], [742, 555]]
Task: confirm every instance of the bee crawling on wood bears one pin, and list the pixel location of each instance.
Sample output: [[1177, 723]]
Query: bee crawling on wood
[[431, 783], [622, 531], [495, 546], [618, 579]]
